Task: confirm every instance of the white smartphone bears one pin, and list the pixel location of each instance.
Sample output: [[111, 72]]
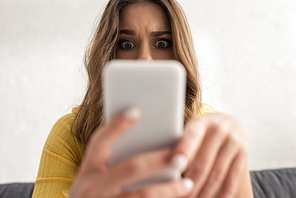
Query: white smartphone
[[157, 88]]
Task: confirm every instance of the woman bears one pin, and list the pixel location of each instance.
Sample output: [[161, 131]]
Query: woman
[[213, 149]]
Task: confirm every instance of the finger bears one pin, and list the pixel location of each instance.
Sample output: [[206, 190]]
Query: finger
[[103, 138], [178, 188], [234, 176], [190, 142], [220, 169], [137, 168], [206, 156]]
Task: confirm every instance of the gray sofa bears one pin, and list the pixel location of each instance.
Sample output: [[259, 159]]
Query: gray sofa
[[277, 183], [16, 190]]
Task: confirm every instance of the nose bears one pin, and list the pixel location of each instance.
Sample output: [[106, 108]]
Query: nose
[[145, 52]]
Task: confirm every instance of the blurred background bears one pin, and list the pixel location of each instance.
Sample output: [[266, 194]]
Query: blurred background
[[247, 58]]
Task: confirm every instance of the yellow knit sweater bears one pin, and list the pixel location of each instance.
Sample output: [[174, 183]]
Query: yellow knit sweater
[[61, 157]]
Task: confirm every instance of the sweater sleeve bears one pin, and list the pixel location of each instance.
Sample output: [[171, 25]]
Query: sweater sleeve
[[60, 159]]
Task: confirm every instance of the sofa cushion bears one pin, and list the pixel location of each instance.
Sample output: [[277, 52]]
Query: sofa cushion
[[277, 183], [16, 190]]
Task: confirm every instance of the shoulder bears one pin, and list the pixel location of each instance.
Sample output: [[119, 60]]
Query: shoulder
[[60, 159], [61, 139]]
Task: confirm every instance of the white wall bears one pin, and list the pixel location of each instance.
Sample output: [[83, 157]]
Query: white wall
[[246, 54]]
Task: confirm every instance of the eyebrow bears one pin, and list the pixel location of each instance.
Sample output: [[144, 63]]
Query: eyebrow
[[154, 34], [160, 33], [128, 32]]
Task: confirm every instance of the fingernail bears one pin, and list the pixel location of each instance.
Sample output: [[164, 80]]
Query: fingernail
[[180, 162], [132, 113], [187, 184]]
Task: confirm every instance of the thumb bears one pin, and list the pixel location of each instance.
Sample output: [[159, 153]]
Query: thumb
[[102, 140]]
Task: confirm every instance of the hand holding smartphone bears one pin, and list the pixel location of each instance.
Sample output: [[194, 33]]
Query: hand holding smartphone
[[157, 88]]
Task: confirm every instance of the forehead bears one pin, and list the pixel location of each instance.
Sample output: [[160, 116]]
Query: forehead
[[149, 14]]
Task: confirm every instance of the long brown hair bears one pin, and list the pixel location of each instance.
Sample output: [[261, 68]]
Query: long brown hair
[[102, 49]]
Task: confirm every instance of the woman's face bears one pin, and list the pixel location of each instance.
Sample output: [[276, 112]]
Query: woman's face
[[145, 33]]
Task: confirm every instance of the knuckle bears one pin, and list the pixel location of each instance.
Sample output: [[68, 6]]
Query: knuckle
[[241, 148], [197, 171], [196, 123], [220, 130], [201, 119], [228, 194], [215, 177], [225, 123], [237, 172], [223, 126], [244, 151], [234, 141], [238, 144], [191, 130], [232, 183]]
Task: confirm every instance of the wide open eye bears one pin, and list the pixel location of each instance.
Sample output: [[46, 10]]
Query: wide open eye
[[126, 45], [162, 44]]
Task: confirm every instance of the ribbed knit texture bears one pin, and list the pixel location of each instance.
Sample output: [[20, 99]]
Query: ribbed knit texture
[[61, 157]]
